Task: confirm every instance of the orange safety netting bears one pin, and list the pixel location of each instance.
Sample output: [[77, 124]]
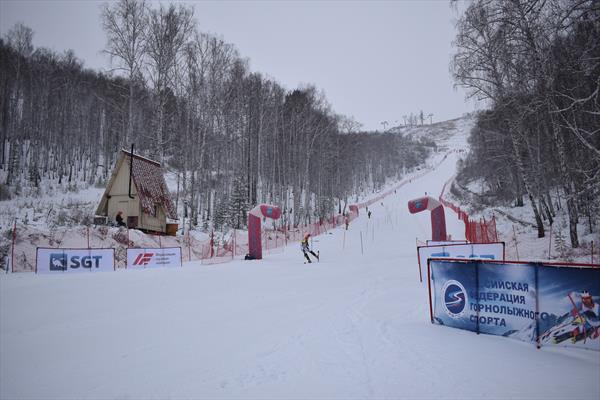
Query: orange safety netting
[[482, 231]]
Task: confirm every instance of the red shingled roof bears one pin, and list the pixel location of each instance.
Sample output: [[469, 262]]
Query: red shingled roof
[[151, 186]]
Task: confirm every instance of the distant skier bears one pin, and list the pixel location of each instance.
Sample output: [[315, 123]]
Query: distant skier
[[369, 214], [306, 249], [347, 221], [119, 219]]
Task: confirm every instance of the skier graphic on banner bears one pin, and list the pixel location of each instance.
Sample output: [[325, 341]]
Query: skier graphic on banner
[[583, 324], [587, 317]]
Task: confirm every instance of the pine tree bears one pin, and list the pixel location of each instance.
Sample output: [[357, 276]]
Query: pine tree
[[238, 205], [560, 243], [221, 214]]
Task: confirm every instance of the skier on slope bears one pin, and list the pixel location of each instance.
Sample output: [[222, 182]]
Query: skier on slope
[[306, 249], [588, 316]]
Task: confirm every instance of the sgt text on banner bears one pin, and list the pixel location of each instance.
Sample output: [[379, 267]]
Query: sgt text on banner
[[535, 302], [490, 251], [153, 258], [49, 261]]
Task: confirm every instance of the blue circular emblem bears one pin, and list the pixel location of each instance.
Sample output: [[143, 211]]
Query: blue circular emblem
[[269, 211], [455, 298]]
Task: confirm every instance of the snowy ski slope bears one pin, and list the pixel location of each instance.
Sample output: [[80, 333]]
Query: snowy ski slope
[[355, 325]]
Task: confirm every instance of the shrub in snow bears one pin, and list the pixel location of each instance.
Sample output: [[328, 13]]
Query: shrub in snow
[[4, 192], [121, 237], [560, 243]]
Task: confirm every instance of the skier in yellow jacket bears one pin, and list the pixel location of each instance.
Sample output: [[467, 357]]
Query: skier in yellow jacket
[[306, 249]]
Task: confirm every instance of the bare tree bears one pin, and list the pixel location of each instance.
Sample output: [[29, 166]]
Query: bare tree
[[19, 37], [169, 29], [536, 62], [124, 23]]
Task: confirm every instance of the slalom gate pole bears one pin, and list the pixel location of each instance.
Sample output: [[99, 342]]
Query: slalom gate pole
[[12, 260], [495, 227], [550, 241], [516, 245], [592, 252], [579, 315], [361, 243], [344, 243], [189, 246]]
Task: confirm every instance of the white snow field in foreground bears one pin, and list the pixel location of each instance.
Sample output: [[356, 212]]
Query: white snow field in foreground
[[352, 326]]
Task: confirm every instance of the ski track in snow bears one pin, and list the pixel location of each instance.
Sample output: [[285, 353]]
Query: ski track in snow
[[353, 326]]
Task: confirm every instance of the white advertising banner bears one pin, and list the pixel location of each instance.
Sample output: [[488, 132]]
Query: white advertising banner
[[489, 251], [440, 243], [154, 258], [49, 261]]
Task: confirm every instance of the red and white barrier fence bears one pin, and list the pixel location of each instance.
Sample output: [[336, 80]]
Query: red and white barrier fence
[[482, 231]]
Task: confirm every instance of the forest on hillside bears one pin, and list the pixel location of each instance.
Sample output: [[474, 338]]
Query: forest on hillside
[[537, 65], [233, 137]]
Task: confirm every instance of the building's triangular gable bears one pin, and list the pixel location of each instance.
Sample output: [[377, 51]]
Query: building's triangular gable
[[149, 181], [102, 208]]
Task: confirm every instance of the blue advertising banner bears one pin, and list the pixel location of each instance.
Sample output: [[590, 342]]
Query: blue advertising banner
[[569, 306], [534, 302], [455, 288], [506, 300]]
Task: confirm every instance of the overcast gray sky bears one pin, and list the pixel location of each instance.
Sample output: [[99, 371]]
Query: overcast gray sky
[[375, 60]]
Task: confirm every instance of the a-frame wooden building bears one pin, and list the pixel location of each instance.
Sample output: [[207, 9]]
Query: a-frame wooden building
[[137, 187]]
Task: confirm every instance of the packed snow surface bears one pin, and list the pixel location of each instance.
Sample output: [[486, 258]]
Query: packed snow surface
[[355, 325]]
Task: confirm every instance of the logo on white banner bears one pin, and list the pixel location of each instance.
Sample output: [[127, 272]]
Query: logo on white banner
[[151, 258], [143, 259], [74, 260]]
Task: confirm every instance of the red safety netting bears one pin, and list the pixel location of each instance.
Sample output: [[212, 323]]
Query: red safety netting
[[482, 231], [272, 240], [208, 250]]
